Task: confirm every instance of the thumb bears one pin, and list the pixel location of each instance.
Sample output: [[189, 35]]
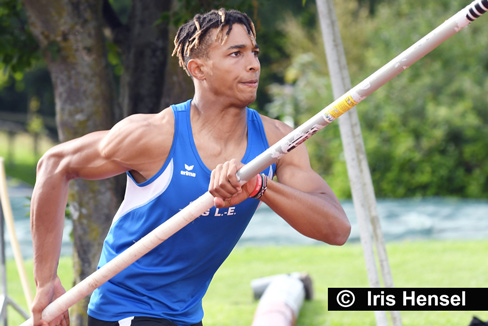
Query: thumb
[[219, 202]]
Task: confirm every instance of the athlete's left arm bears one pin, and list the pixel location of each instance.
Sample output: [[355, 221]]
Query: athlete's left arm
[[300, 195]]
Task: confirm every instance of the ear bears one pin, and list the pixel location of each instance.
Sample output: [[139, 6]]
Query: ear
[[196, 69]]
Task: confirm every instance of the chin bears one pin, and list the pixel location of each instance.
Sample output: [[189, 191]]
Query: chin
[[250, 100], [242, 101]]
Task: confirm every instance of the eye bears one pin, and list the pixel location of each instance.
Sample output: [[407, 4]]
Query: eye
[[256, 53], [235, 54]]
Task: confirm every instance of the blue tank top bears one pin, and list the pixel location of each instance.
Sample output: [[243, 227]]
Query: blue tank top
[[170, 281]]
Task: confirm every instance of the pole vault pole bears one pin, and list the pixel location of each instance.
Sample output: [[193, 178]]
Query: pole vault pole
[[268, 157], [357, 164], [9, 221]]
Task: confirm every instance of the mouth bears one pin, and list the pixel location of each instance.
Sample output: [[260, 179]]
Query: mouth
[[251, 83]]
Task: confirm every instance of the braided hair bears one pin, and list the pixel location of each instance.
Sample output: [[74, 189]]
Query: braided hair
[[192, 39]]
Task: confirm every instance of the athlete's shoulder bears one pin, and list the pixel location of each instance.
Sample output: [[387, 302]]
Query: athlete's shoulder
[[139, 135], [165, 118], [275, 129]]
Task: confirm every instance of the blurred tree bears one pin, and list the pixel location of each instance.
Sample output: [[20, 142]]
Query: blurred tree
[[35, 125], [424, 126], [85, 44], [71, 39], [143, 42], [19, 49], [22, 74], [106, 59], [425, 130], [370, 4]]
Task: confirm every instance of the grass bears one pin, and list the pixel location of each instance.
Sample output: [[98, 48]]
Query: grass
[[229, 300], [415, 264], [16, 293], [20, 160]]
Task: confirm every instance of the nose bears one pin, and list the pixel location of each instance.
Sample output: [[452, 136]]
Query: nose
[[254, 65]]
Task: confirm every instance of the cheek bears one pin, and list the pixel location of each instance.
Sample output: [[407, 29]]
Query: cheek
[[224, 78]]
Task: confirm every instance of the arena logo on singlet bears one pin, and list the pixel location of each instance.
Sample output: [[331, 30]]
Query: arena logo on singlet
[[188, 172]]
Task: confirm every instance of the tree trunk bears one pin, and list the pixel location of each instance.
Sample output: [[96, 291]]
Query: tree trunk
[[70, 36], [144, 55]]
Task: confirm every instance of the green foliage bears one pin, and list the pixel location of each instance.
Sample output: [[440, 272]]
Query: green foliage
[[185, 9], [20, 155], [425, 132], [19, 49], [35, 125]]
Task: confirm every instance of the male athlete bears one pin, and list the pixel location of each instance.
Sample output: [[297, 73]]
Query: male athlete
[[170, 159]]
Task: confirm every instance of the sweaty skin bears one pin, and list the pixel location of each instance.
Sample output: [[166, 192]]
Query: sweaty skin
[[226, 82]]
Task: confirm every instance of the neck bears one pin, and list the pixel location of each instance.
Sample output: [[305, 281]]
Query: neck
[[217, 120], [210, 104]]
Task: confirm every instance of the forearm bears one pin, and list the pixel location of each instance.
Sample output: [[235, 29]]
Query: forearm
[[47, 219], [316, 215]]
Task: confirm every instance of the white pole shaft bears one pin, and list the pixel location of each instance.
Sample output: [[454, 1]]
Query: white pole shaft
[[9, 221], [357, 164], [349, 127], [268, 157]]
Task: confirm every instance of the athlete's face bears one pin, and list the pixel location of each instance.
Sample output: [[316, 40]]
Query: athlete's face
[[232, 69]]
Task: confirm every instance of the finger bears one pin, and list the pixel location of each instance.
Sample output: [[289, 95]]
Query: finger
[[39, 322], [61, 320], [219, 202], [229, 180], [227, 189], [215, 180], [220, 184], [37, 318], [233, 167], [58, 321], [224, 188], [66, 318]]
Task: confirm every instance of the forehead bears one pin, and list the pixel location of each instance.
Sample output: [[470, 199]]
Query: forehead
[[238, 35]]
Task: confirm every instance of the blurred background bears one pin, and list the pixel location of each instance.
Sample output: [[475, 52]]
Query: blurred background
[[425, 131]]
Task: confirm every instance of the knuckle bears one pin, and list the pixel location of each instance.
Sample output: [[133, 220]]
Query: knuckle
[[218, 168], [212, 188]]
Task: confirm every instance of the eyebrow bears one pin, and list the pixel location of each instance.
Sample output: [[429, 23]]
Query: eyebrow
[[242, 46]]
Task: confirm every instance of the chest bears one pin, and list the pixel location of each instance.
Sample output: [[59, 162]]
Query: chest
[[213, 154]]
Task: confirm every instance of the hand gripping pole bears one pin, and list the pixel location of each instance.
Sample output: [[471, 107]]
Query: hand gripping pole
[[270, 156]]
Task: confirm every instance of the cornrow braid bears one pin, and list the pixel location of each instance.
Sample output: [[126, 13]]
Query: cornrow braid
[[191, 38]]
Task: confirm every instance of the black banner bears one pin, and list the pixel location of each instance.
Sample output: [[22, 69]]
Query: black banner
[[415, 299]]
